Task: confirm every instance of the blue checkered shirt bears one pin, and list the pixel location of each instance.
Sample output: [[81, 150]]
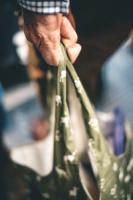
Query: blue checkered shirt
[[45, 6]]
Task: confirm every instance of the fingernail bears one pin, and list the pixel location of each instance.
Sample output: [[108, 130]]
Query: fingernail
[[73, 52]]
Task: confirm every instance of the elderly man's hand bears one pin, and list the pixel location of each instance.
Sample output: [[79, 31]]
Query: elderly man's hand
[[47, 31]]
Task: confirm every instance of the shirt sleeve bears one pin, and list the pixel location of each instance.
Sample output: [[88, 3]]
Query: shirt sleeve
[[46, 6]]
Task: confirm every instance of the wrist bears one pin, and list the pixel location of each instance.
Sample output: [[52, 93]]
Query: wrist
[[46, 7], [49, 22]]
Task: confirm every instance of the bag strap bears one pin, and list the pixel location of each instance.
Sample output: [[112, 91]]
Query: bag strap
[[63, 142], [63, 135]]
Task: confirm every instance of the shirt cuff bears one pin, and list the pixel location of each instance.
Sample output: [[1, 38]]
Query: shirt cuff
[[46, 7]]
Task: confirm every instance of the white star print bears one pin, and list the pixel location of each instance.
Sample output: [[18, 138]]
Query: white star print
[[46, 195], [58, 99], [78, 85], [65, 120], [70, 158], [63, 75], [49, 75], [73, 192], [61, 172], [115, 167], [57, 136]]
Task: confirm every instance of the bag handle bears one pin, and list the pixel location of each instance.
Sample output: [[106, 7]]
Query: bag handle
[[63, 142]]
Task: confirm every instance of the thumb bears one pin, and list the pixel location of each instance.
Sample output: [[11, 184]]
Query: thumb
[[69, 38], [73, 52]]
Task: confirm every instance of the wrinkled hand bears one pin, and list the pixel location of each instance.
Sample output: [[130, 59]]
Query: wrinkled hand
[[47, 31]]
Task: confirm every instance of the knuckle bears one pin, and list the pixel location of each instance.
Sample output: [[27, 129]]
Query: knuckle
[[28, 37]]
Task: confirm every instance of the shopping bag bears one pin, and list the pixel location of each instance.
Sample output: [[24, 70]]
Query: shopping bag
[[91, 172]]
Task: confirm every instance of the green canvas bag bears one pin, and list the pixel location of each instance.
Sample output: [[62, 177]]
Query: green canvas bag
[[79, 175]]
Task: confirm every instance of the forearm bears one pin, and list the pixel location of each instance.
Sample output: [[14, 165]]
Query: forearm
[[45, 6]]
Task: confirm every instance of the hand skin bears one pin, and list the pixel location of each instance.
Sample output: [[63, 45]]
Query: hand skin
[[47, 31]]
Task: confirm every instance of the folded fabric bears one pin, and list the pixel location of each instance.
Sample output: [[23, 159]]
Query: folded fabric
[[70, 178]]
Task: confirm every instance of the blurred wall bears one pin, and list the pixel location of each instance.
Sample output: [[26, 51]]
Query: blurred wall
[[92, 15]]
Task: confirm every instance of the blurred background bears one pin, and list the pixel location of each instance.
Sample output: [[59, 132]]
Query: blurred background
[[105, 67]]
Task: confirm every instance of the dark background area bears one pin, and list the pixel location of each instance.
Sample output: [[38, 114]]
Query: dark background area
[[11, 70], [102, 26], [93, 15]]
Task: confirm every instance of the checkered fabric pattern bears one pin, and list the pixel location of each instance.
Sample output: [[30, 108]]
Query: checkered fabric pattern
[[45, 6]]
